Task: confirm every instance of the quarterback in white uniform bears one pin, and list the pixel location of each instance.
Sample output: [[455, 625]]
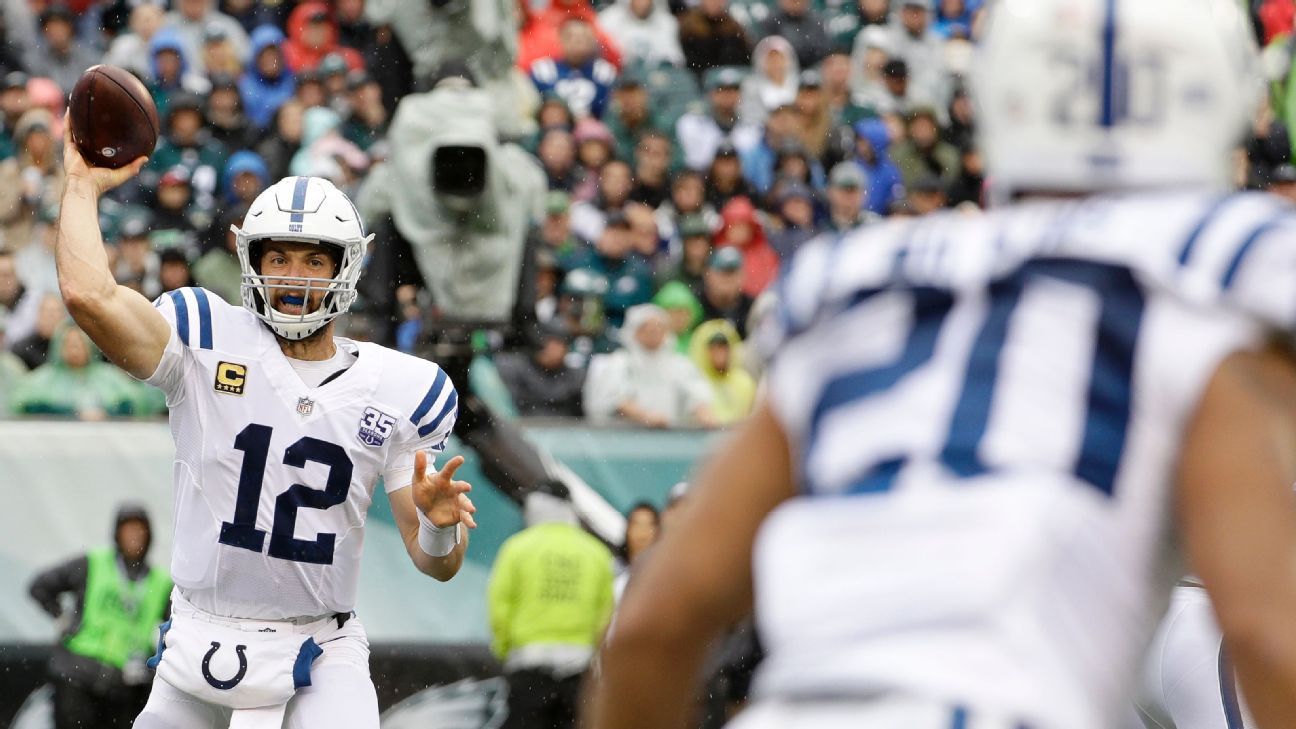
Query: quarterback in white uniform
[[282, 432], [990, 442]]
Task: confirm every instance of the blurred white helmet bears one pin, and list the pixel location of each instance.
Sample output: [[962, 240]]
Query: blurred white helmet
[[307, 210], [1087, 95]]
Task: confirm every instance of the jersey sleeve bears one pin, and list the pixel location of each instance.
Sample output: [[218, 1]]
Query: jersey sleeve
[[170, 373], [171, 369], [1259, 274], [827, 273], [189, 311], [1236, 251], [427, 428]]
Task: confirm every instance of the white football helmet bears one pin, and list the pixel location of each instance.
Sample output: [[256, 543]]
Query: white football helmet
[[308, 210], [1089, 95]]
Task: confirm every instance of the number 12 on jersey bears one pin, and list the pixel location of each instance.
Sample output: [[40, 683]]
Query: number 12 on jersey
[[254, 441]]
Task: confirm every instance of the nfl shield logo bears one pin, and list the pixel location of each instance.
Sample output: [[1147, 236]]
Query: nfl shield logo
[[304, 406]]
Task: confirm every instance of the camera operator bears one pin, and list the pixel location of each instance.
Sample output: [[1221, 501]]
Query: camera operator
[[479, 34], [456, 212]]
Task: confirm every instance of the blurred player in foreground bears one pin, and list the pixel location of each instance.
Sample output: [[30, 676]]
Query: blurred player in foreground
[[986, 439], [282, 432]]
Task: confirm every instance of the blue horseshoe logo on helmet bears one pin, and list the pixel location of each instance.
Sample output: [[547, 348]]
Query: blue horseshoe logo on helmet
[[228, 684]]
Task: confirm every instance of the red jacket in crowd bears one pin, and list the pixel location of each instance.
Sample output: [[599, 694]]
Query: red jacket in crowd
[[760, 260], [538, 37], [1277, 17], [302, 56]]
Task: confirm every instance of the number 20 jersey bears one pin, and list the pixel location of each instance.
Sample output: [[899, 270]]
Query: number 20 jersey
[[273, 478], [985, 416]]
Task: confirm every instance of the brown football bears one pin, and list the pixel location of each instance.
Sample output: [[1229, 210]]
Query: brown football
[[114, 121]]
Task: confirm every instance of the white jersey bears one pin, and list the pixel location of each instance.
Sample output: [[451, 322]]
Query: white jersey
[[985, 414], [273, 478]]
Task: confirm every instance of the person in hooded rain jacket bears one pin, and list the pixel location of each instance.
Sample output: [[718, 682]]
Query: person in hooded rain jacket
[[717, 351], [267, 83], [76, 381], [645, 31], [107, 627], [885, 183], [683, 310], [172, 71], [743, 230], [647, 382], [325, 152], [775, 78], [312, 35]]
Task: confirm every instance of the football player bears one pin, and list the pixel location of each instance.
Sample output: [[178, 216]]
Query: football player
[[986, 438], [282, 432]]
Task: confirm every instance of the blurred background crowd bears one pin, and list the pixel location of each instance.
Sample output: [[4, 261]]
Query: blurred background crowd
[[687, 150]]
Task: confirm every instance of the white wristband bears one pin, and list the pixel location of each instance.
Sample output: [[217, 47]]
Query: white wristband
[[436, 541]]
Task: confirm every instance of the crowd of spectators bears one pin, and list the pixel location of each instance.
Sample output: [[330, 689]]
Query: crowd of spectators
[[690, 147]]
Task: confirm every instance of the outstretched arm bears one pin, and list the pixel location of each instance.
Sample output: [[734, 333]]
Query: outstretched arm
[[695, 583], [119, 320], [1239, 519], [445, 505]]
